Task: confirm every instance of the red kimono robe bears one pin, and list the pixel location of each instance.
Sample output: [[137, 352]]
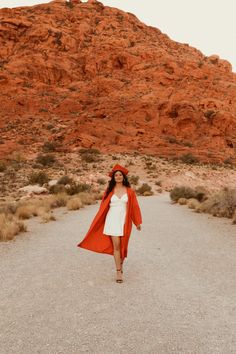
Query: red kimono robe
[[96, 241]]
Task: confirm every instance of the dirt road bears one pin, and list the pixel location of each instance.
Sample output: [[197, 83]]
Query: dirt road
[[178, 295]]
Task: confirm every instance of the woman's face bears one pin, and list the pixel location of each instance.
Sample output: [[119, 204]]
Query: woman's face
[[118, 177]]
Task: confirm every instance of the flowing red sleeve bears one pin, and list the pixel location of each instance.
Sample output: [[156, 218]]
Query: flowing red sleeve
[[136, 212]]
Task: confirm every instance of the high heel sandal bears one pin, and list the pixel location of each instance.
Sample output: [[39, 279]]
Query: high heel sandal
[[119, 280]]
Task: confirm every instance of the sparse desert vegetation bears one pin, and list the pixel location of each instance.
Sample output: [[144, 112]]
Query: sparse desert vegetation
[[11, 218], [71, 180], [221, 203], [145, 189], [10, 226]]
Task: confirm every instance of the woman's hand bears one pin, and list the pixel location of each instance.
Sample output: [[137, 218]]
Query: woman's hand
[[138, 227]]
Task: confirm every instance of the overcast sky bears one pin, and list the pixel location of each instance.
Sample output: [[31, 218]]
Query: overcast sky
[[208, 25]]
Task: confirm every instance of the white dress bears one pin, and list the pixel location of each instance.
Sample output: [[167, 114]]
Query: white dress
[[115, 218]]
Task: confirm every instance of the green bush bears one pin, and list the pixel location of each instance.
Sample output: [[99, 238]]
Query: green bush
[[38, 178]]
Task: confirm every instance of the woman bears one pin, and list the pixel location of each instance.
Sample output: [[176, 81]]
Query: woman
[[111, 228]]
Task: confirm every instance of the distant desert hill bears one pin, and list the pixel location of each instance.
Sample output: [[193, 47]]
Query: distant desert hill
[[87, 75]]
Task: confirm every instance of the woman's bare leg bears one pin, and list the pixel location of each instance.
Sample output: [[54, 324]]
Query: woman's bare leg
[[117, 257]]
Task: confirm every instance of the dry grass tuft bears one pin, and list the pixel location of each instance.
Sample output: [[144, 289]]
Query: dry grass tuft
[[26, 211], [87, 198], [182, 192], [46, 217], [182, 201], [145, 190], [10, 226], [222, 204], [58, 200], [74, 203], [193, 203]]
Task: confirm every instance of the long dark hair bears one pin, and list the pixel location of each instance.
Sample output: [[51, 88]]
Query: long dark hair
[[112, 183]]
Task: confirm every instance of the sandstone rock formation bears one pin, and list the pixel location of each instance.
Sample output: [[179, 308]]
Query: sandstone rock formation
[[87, 75]]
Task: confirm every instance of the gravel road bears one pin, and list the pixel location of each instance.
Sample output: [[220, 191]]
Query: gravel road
[[178, 295]]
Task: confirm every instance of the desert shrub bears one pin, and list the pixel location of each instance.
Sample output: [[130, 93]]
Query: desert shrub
[[101, 181], [144, 189], [182, 201], [69, 4], [74, 203], [90, 155], [150, 165], [58, 200], [46, 217], [49, 146], [2, 166], [134, 179], [37, 207], [208, 114], [8, 208], [50, 126], [77, 188], [89, 151], [57, 188], [10, 173], [87, 198], [38, 178], [26, 211], [158, 183], [97, 195], [45, 160], [187, 143], [189, 158], [201, 193], [228, 161], [89, 158], [147, 193], [182, 192], [10, 226], [172, 139], [193, 203], [64, 180], [221, 204]]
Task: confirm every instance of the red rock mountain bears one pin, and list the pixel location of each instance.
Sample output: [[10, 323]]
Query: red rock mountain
[[87, 75]]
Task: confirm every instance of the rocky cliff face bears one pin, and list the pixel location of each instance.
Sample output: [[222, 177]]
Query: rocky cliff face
[[83, 74]]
